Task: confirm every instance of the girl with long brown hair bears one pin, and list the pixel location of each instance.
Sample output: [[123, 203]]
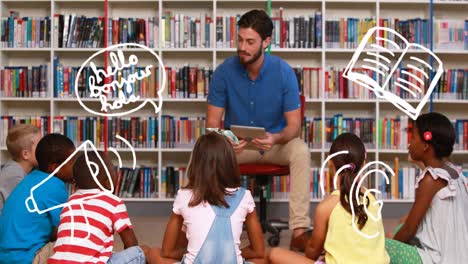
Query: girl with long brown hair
[[211, 210]]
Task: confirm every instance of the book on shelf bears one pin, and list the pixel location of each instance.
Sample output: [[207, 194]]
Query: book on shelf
[[183, 31], [181, 132], [461, 130], [65, 76], [452, 85], [188, 81], [24, 81], [450, 34], [310, 81], [335, 85], [75, 31], [311, 132], [226, 31], [24, 32], [140, 132], [395, 132], [143, 31], [298, 31], [80, 31], [8, 121], [364, 128], [172, 179], [346, 33], [141, 182]]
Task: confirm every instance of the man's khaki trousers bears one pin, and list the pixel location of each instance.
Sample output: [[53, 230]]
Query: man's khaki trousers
[[296, 154]]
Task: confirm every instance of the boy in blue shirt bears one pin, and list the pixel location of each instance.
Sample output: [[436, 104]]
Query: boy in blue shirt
[[26, 237]]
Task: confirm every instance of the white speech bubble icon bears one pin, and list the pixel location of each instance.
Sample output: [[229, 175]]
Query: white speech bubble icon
[[118, 60]]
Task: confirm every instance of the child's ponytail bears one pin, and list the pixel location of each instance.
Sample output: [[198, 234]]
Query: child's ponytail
[[355, 160], [347, 178]]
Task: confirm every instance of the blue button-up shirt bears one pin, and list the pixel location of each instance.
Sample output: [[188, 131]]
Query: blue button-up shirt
[[261, 102]]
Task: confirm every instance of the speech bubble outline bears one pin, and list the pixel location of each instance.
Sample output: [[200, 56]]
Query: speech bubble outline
[[160, 91]]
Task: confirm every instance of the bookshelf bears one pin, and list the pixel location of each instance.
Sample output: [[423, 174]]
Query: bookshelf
[[210, 56]]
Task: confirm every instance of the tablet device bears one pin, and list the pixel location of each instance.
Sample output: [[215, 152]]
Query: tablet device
[[248, 133]]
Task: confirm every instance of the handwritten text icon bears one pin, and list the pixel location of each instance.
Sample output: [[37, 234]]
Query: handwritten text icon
[[394, 66], [122, 86]]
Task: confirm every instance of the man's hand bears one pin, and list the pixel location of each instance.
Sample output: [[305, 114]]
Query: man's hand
[[238, 148], [265, 143]]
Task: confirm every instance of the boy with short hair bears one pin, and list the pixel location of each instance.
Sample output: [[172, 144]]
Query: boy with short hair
[[93, 214], [21, 143], [25, 236]]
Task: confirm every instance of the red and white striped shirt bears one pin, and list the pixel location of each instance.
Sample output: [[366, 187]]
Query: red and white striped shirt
[[93, 242]]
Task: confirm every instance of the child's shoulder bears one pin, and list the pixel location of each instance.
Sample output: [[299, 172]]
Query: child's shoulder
[[433, 174], [184, 192], [96, 195], [327, 205]]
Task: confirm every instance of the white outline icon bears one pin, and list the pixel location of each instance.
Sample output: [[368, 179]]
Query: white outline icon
[[355, 191], [386, 63], [355, 188], [94, 169], [116, 58], [121, 100]]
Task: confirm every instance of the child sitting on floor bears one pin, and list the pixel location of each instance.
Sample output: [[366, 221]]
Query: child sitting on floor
[[88, 223], [212, 209], [27, 235], [21, 143], [333, 228], [436, 228]]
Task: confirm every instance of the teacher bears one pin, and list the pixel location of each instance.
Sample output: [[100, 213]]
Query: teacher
[[261, 90]]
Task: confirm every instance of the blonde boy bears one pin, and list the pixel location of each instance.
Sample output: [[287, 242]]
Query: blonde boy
[[21, 142]]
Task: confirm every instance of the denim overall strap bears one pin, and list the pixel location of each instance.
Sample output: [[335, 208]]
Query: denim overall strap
[[219, 246]]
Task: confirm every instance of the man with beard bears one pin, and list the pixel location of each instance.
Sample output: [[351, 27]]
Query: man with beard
[[261, 90]]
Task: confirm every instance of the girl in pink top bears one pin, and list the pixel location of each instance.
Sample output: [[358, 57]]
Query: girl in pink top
[[211, 210]]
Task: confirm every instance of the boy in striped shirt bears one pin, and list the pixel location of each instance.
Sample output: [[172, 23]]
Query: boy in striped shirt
[[88, 223]]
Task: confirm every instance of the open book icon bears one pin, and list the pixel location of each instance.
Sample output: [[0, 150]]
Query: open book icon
[[395, 67]]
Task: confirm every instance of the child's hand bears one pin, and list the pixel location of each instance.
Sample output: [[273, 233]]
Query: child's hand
[[238, 148]]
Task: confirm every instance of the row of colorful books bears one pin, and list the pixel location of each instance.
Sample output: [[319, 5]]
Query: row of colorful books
[[451, 34], [80, 31], [192, 81], [182, 132], [6, 122], [143, 182], [452, 85], [24, 81], [140, 132], [362, 127], [400, 187], [65, 80], [299, 31], [183, 31], [24, 32], [188, 81]]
